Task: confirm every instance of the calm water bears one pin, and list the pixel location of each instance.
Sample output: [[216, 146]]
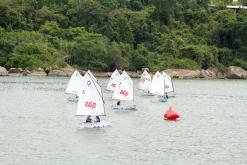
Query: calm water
[[39, 127]]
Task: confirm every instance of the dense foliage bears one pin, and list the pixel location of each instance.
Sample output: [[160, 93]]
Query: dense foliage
[[105, 34]]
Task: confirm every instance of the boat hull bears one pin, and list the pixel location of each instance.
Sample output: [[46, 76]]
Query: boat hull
[[72, 98], [102, 124], [123, 107], [163, 99], [148, 94]]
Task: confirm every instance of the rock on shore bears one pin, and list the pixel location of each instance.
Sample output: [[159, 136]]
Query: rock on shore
[[38, 72], [234, 72], [3, 71], [183, 73]]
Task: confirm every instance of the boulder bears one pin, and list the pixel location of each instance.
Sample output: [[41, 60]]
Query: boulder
[[57, 73], [15, 70], [40, 70], [3, 71], [100, 74], [68, 70], [139, 73], [145, 69], [235, 72], [207, 74], [183, 73], [109, 74], [221, 75], [134, 74], [26, 72], [38, 73]]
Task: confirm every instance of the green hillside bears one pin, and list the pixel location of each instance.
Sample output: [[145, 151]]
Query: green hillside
[[102, 35]]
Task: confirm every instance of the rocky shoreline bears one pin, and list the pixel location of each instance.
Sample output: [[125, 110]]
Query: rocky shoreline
[[232, 72]]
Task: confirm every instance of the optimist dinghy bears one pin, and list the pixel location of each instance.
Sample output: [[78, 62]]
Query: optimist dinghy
[[145, 84], [91, 103], [74, 86], [158, 86], [169, 88], [101, 124], [124, 92]]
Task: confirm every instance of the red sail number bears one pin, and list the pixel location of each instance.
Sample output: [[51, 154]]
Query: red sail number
[[125, 93], [90, 104], [113, 85]]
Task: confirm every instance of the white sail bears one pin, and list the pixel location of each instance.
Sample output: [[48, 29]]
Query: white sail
[[124, 89], [75, 83], [115, 77], [158, 83], [125, 74], [145, 81], [90, 99], [168, 83], [96, 81]]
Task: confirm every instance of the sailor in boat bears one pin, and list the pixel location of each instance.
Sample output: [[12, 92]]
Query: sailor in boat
[[89, 119], [118, 103], [97, 119]]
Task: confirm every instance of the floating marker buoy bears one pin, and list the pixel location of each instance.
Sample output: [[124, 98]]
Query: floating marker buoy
[[171, 114]]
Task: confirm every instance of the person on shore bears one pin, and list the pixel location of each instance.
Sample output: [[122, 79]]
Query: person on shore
[[97, 119], [89, 119]]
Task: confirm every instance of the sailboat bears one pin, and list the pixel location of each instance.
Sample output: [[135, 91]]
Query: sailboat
[[169, 88], [113, 81], [74, 86], [124, 92], [91, 102], [145, 83], [158, 86]]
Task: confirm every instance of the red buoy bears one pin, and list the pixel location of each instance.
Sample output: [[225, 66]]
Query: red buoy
[[171, 114]]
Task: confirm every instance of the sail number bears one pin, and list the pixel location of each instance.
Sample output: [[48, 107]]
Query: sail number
[[166, 86], [90, 104], [125, 93], [113, 85]]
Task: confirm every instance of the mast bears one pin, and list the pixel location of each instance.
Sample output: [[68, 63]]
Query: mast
[[173, 88], [164, 85], [133, 92]]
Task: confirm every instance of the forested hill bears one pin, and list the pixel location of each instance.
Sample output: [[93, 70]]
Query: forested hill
[[104, 34]]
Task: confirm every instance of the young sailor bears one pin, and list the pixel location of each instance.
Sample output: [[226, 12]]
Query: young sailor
[[89, 119], [97, 119]]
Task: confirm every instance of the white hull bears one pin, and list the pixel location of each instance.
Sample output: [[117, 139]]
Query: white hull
[[102, 124], [72, 99], [123, 107], [163, 99], [148, 94]]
